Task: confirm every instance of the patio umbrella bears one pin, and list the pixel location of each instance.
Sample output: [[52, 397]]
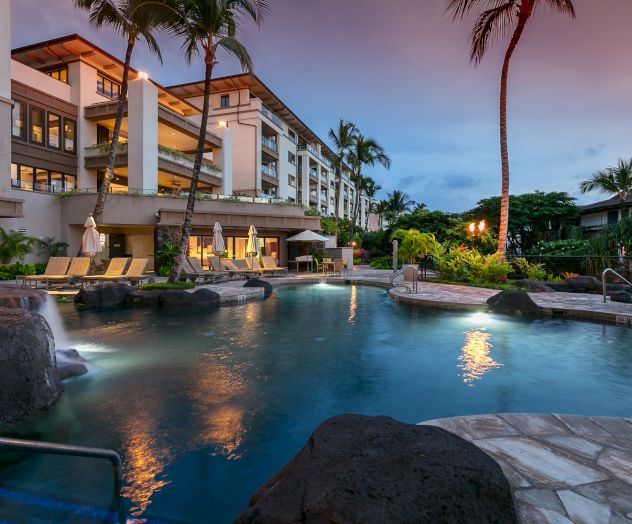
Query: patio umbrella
[[90, 243], [252, 248], [218, 246], [307, 236]]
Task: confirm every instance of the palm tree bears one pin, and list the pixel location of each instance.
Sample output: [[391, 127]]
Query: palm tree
[[206, 26], [380, 208], [615, 180], [370, 188], [342, 137], [397, 203], [364, 152], [497, 18], [132, 20], [420, 207]]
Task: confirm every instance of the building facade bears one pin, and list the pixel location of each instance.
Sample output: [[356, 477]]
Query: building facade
[[58, 102], [607, 212]]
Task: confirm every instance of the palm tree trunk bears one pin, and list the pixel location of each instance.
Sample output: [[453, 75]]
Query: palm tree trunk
[[504, 155], [97, 212], [197, 166]]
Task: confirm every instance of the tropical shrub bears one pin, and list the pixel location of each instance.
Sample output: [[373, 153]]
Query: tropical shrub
[[14, 244], [385, 262], [9, 272], [49, 247], [471, 266], [165, 258], [570, 247], [529, 270], [414, 245]]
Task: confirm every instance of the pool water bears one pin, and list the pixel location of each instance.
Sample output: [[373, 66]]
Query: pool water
[[205, 406]]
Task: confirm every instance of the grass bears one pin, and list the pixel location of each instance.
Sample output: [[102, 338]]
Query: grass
[[506, 286], [167, 285]]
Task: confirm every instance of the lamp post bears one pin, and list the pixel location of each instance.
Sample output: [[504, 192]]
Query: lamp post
[[476, 229]]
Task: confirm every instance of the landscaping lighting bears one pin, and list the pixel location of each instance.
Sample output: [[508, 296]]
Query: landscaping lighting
[[222, 123], [143, 76]]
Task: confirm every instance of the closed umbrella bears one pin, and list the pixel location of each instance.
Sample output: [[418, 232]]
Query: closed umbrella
[[90, 244], [218, 246], [252, 248]]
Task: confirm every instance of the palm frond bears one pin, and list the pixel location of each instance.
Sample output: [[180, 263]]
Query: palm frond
[[235, 48], [490, 26]]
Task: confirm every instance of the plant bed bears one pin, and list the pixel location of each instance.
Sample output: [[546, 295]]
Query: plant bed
[[167, 285]]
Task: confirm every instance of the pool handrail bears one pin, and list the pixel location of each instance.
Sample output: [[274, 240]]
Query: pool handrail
[[31, 446], [402, 271], [603, 280]]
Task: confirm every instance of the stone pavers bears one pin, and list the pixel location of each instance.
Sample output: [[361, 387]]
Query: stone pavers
[[562, 468]]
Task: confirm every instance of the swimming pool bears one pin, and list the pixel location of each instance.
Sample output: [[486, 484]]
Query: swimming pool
[[204, 407]]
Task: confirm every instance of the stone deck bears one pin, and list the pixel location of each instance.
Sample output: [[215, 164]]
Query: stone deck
[[562, 468]]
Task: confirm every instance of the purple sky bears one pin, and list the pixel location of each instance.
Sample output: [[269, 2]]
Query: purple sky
[[400, 70]]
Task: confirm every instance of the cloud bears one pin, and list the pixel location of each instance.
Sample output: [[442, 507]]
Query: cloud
[[407, 181], [458, 181], [594, 151]]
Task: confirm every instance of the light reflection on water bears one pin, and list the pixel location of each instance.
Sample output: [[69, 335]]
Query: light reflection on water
[[475, 360]]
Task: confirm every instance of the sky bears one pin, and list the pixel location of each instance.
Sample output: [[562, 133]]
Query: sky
[[400, 70]]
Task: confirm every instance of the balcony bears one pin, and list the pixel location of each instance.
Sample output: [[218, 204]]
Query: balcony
[[313, 197], [313, 173], [272, 117], [311, 149], [269, 143], [323, 195], [269, 171]]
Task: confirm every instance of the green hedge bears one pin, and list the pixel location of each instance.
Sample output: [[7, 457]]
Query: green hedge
[[10, 271]]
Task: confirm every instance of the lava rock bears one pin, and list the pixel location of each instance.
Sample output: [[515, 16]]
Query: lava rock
[[13, 296], [28, 383], [514, 303], [176, 297], [358, 469], [584, 284], [143, 298], [560, 287], [70, 364], [106, 295], [533, 286], [258, 282], [620, 296]]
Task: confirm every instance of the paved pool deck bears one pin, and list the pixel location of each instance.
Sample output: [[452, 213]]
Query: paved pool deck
[[562, 468]]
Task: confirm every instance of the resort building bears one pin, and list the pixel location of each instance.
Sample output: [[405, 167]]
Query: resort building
[[262, 164], [607, 212]]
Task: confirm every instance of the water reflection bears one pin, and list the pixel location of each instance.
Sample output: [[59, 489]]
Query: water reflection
[[475, 360], [353, 304]]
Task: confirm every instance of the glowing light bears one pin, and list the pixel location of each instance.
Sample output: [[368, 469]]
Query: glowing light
[[472, 227], [475, 360], [353, 304], [143, 76], [481, 226], [222, 123], [481, 318]]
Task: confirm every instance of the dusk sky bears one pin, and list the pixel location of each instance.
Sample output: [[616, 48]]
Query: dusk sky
[[400, 70]]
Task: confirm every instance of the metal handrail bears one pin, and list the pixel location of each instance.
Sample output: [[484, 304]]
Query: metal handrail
[[31, 446], [400, 272], [603, 280]]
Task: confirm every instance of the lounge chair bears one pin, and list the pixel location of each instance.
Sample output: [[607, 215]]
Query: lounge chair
[[206, 275], [269, 263], [135, 273], [255, 265], [242, 264], [113, 273], [233, 269], [79, 267], [56, 266]]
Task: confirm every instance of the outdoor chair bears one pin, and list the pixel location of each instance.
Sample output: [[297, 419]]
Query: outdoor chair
[[242, 265], [232, 269], [135, 273], [338, 266], [56, 266], [256, 266], [112, 273], [324, 266], [269, 262], [204, 274]]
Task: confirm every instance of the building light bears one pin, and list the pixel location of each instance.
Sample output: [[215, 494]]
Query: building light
[[222, 123], [143, 76]]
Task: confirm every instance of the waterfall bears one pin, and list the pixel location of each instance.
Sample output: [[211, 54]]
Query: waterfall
[[50, 312]]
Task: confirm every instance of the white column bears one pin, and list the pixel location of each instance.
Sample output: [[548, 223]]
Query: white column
[[5, 96], [224, 158], [304, 159], [142, 122]]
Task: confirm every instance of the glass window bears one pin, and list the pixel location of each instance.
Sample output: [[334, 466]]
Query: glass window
[[108, 87], [291, 180], [37, 125], [291, 135], [103, 134], [70, 182], [56, 182], [70, 133], [224, 101], [41, 180], [240, 247], [291, 157], [54, 128], [15, 179], [26, 178], [18, 120], [60, 74]]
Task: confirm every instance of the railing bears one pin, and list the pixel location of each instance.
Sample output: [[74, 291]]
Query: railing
[[313, 172], [314, 151], [30, 446], [603, 280], [410, 274], [30, 186], [272, 116], [268, 171], [269, 143]]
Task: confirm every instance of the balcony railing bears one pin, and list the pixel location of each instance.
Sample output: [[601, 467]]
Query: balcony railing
[[269, 143], [314, 151], [269, 171], [313, 172], [272, 116]]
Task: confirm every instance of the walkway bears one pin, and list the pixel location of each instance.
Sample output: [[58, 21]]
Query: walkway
[[562, 468]]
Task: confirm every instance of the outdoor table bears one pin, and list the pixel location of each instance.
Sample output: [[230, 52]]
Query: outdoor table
[[308, 264]]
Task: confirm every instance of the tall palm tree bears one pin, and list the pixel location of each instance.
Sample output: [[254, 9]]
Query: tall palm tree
[[380, 208], [132, 20], [364, 152], [342, 138], [420, 207], [397, 203], [205, 27], [497, 18], [615, 180], [370, 188]]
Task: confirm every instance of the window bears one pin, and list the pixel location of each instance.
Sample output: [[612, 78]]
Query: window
[[291, 180], [103, 134], [54, 128], [41, 180], [291, 158], [70, 182], [60, 74], [35, 179], [18, 120], [70, 135], [108, 87], [224, 101], [37, 125], [25, 178], [291, 135], [613, 217]]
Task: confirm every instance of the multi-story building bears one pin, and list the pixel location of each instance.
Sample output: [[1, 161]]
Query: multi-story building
[[607, 212], [58, 98]]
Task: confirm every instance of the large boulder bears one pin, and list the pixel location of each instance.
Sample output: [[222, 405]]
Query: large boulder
[[533, 286], [584, 284], [560, 287], [21, 297], [620, 296], [139, 297], [28, 383], [70, 364], [357, 469], [258, 282], [106, 295], [200, 298], [514, 303]]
